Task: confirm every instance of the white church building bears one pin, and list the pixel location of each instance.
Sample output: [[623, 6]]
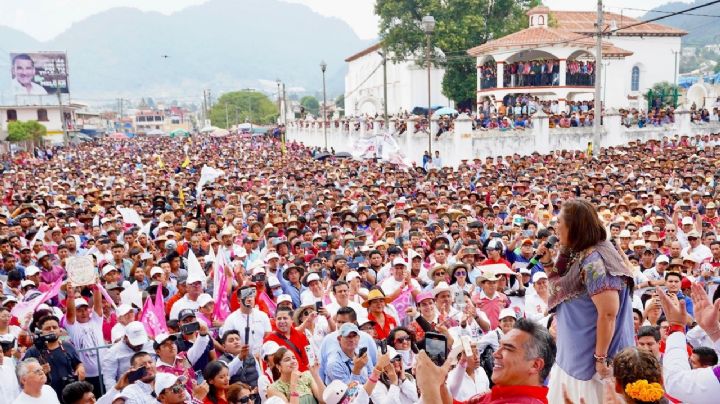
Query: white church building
[[634, 59], [406, 81]]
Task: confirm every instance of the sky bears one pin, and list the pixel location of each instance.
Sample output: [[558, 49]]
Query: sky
[[58, 15]]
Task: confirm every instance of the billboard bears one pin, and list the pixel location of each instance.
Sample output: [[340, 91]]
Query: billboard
[[39, 73]]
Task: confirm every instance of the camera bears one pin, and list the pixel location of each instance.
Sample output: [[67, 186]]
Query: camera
[[40, 341]]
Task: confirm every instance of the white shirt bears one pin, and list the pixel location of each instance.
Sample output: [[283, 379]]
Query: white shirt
[[535, 307], [87, 335], [701, 251], [333, 308], [697, 386], [9, 388], [406, 393], [390, 285], [47, 396], [35, 89], [462, 386], [117, 332], [182, 304], [259, 325]]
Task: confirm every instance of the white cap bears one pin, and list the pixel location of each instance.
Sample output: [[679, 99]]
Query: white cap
[[507, 312], [259, 269], [662, 258], [136, 334], [26, 282], [107, 269], [313, 276], [308, 300], [163, 225], [334, 392], [123, 309], [160, 338], [204, 299], [164, 381], [646, 229], [284, 298], [399, 261], [271, 256], [269, 348], [351, 275], [227, 231], [625, 234], [32, 270], [539, 275], [156, 271], [273, 281], [687, 220], [81, 302]]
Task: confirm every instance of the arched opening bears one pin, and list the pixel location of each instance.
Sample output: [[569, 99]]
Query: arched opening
[[541, 20], [532, 68], [487, 73], [580, 69], [635, 79]]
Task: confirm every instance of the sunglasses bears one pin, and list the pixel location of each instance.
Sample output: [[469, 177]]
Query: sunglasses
[[460, 273], [400, 340], [440, 274], [248, 399], [307, 312], [176, 388]]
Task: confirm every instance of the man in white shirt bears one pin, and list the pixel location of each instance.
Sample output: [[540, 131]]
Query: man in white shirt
[[341, 291], [84, 326], [117, 360], [190, 300], [33, 379], [252, 324], [696, 248], [23, 71], [9, 388], [395, 285]]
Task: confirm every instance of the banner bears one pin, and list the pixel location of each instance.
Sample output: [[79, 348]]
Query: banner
[[402, 302], [22, 309], [222, 306], [150, 319], [39, 73]]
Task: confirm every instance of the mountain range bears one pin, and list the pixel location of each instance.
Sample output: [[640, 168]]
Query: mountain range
[[222, 45], [702, 25]]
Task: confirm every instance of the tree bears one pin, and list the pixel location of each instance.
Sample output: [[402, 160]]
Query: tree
[[340, 101], [662, 94], [23, 131], [460, 25], [243, 106], [311, 105]]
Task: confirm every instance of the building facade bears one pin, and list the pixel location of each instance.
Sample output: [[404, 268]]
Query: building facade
[[407, 84], [560, 47]]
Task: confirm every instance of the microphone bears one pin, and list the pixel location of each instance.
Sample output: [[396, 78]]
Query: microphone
[[534, 261]]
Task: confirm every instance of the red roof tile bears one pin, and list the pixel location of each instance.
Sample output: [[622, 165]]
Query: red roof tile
[[364, 52]]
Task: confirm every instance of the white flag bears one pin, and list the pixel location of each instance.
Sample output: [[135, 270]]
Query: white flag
[[195, 271], [132, 295], [207, 175], [130, 216]]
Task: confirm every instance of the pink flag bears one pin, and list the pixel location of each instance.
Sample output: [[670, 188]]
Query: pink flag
[[23, 308], [160, 308], [204, 319], [106, 295], [402, 302], [150, 319], [272, 306], [222, 306]]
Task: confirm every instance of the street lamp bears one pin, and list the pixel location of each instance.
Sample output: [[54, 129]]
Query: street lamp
[[428, 26], [323, 67]]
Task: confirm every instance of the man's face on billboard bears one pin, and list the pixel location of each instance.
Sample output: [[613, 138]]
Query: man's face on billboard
[[24, 71]]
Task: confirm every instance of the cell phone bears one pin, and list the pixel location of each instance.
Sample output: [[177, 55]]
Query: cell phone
[[318, 306], [362, 351], [145, 256], [527, 233], [458, 298], [310, 355], [382, 344], [190, 327], [685, 208], [436, 347], [137, 374]]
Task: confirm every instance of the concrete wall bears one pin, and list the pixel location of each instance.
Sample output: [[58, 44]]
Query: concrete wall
[[464, 143]]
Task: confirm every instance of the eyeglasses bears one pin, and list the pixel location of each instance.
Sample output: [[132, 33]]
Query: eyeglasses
[[400, 340], [248, 398], [176, 388], [440, 274], [460, 273], [38, 372], [306, 312]]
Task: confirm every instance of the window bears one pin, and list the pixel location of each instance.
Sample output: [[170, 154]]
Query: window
[[11, 115], [42, 115], [635, 80], [541, 20]]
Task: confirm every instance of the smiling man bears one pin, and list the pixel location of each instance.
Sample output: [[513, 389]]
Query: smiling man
[[23, 71]]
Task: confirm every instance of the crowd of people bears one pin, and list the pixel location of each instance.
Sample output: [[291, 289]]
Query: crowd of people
[[243, 270], [537, 73]]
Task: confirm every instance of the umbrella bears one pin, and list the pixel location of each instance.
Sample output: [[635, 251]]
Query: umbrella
[[179, 132], [118, 136], [208, 129], [343, 155], [446, 111], [219, 133], [322, 156]]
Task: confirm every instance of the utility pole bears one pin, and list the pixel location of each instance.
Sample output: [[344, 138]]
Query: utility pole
[[598, 107], [279, 100], [227, 122], [60, 105], [323, 67], [675, 52], [385, 98]]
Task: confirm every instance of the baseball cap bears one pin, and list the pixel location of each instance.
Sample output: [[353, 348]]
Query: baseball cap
[[284, 298], [123, 309], [272, 255], [273, 281], [335, 392], [662, 258], [687, 220], [349, 328], [204, 299], [136, 334], [156, 271], [269, 348], [185, 313], [81, 302], [25, 283], [351, 275], [160, 338], [508, 312], [107, 269], [31, 270], [539, 275], [164, 381], [399, 261]]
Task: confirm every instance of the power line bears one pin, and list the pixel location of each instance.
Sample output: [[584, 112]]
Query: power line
[[665, 12]]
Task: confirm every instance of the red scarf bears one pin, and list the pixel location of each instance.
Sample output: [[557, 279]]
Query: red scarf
[[510, 394]]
